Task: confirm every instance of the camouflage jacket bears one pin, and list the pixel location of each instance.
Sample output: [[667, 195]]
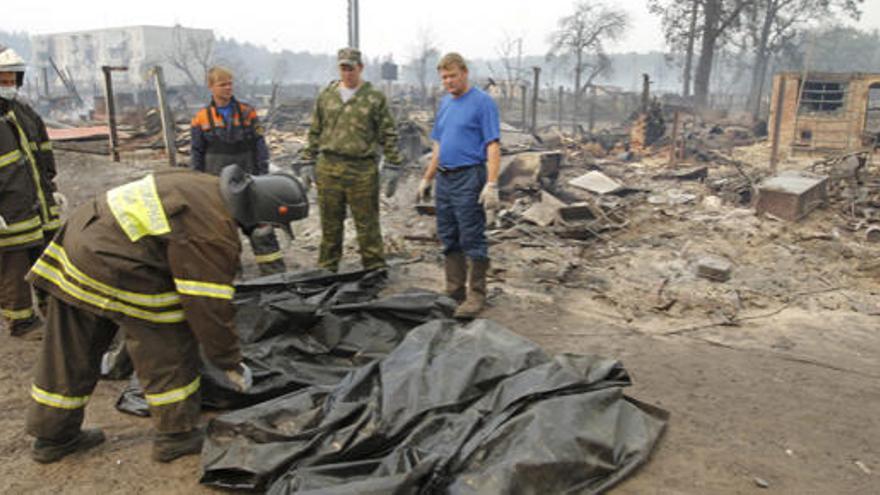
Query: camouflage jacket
[[353, 129]]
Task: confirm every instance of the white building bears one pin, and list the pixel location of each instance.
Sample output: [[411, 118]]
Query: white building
[[81, 54]]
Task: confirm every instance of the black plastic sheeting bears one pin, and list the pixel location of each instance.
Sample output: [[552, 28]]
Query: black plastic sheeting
[[359, 394], [304, 329], [452, 409]]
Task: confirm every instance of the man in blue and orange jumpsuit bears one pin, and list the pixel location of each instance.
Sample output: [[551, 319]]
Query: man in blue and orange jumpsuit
[[227, 132]]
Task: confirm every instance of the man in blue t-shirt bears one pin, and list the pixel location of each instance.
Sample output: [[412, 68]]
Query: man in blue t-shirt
[[466, 158]]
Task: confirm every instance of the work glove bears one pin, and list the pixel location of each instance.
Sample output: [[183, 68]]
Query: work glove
[[60, 200], [306, 173], [241, 376], [424, 192], [489, 196], [390, 176]]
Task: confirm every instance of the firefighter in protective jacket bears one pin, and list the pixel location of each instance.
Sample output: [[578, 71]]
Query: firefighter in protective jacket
[[156, 258], [227, 132], [28, 210]]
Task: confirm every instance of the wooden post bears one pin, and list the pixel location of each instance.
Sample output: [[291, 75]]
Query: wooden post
[[535, 87], [525, 105], [168, 128], [111, 110], [777, 124], [559, 109], [592, 110], [673, 148]]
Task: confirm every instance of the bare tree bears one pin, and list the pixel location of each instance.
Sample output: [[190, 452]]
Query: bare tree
[[681, 28], [583, 35], [772, 24], [191, 54], [509, 51], [719, 17], [422, 63]]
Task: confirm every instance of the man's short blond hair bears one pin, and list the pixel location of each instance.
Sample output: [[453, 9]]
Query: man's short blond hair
[[218, 73], [450, 60]]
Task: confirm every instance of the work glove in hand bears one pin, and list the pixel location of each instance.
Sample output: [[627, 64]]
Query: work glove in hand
[[307, 173], [241, 376], [60, 200], [489, 196], [390, 175], [424, 192]]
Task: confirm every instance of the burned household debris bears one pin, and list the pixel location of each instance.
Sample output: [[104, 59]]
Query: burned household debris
[[519, 269]]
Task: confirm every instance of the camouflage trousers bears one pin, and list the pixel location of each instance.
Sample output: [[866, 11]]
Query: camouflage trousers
[[352, 183]]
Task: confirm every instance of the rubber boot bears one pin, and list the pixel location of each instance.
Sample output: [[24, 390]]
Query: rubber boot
[[456, 276], [170, 446], [30, 329], [476, 294], [47, 451]]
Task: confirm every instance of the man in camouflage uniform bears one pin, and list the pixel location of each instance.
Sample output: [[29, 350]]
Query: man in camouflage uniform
[[350, 121]]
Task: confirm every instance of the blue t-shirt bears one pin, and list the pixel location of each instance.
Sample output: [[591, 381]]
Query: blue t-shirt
[[226, 112], [464, 127]]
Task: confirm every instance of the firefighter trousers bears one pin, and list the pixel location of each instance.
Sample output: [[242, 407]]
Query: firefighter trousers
[[166, 362], [267, 252], [16, 303]]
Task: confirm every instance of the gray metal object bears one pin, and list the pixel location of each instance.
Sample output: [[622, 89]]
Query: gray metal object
[[792, 195]]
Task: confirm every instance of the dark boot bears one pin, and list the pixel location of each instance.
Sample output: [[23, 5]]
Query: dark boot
[[30, 329], [170, 446], [47, 451], [456, 275], [476, 294]]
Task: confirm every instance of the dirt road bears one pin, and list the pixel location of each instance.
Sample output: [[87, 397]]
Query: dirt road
[[787, 397]]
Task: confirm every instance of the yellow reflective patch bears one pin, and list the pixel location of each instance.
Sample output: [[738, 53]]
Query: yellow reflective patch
[[17, 314], [22, 226], [57, 400], [137, 208], [46, 146], [176, 395], [204, 289], [52, 274], [53, 224], [54, 210], [57, 252], [36, 235], [11, 157], [268, 258]]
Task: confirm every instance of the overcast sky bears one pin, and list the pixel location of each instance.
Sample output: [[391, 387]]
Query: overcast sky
[[472, 27]]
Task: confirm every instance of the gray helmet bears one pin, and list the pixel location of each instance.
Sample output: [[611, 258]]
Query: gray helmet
[[254, 199]]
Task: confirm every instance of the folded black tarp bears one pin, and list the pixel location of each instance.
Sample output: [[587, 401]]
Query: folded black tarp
[[452, 409]]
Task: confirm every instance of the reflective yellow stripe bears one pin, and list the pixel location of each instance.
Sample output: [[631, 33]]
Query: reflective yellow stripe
[[176, 395], [53, 224], [55, 210], [57, 400], [35, 171], [17, 227], [268, 258], [46, 146], [56, 252], [11, 157], [36, 235], [34, 146], [52, 274], [137, 208], [204, 289], [17, 314]]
